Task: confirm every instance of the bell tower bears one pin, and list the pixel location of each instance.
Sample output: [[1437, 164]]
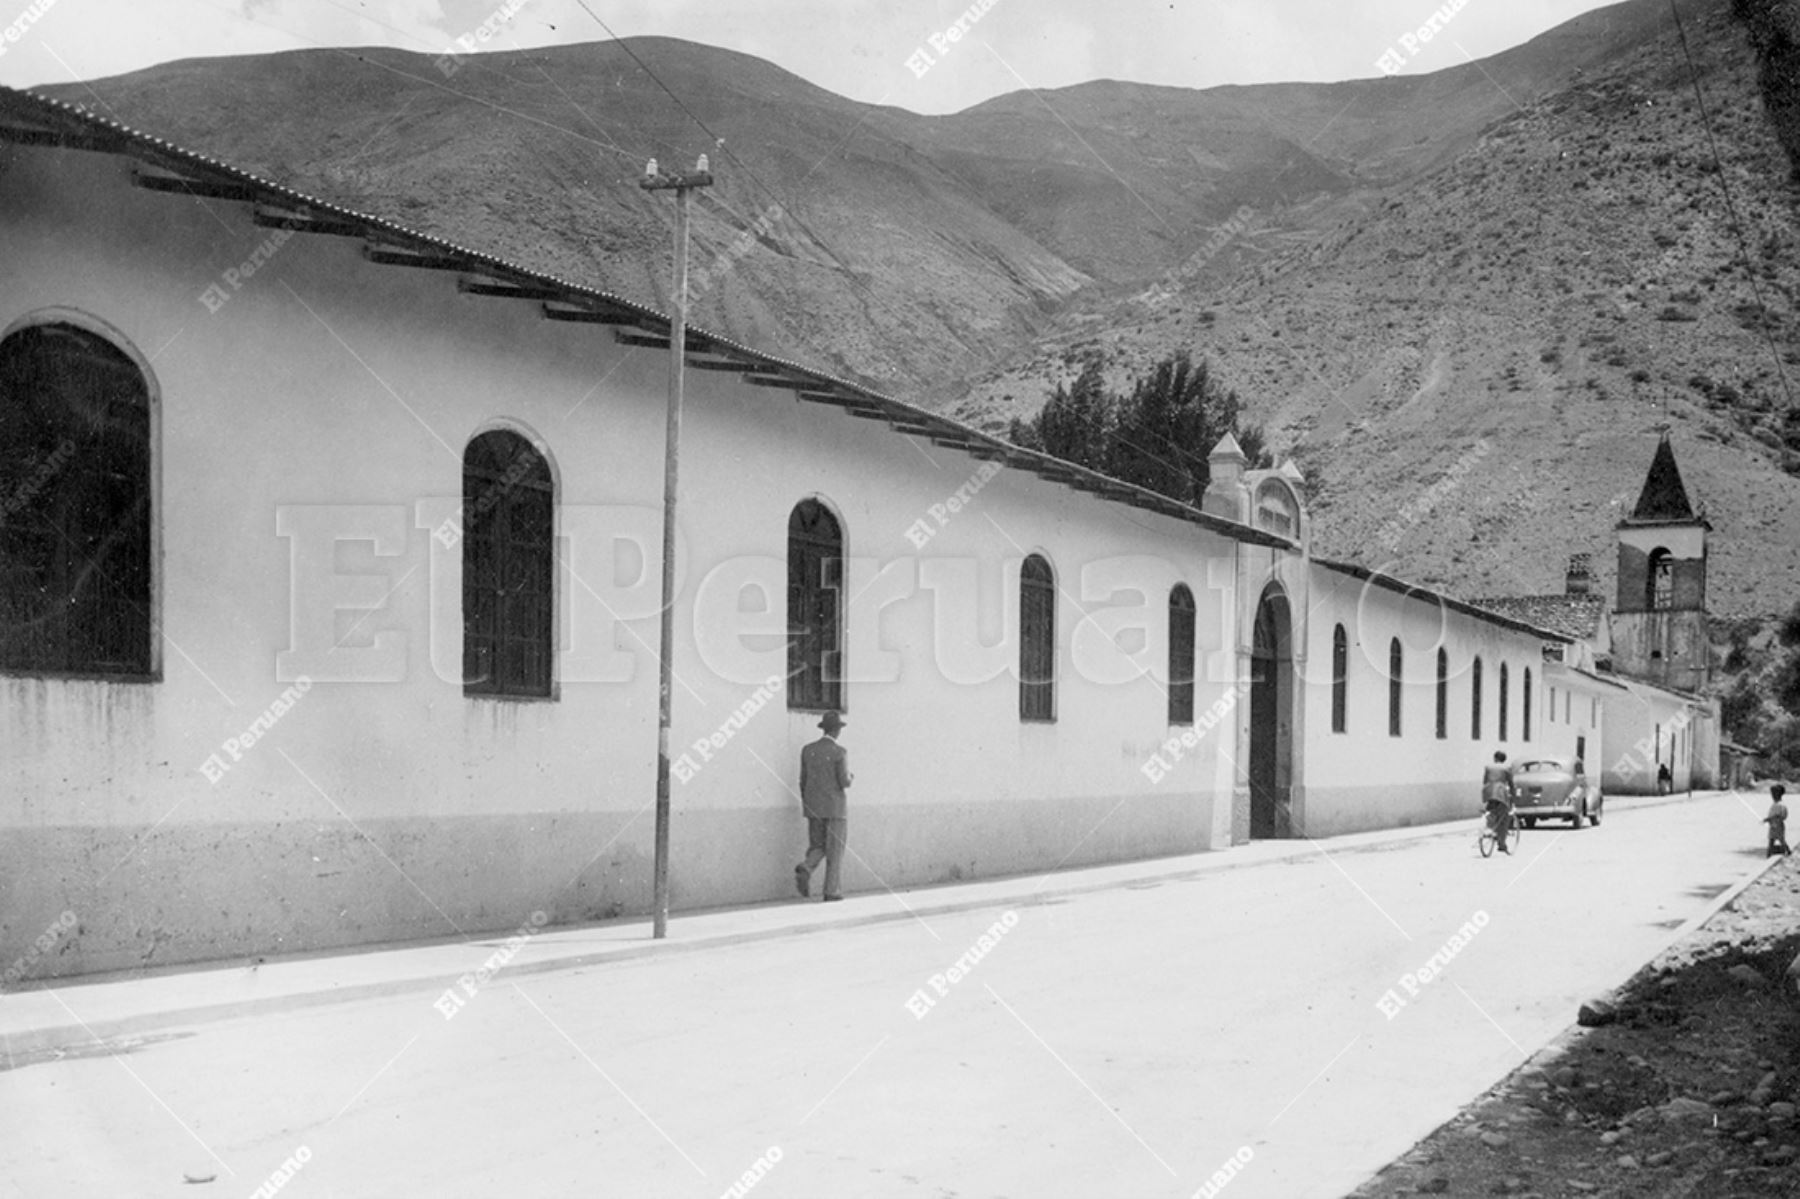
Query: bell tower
[[1659, 628]]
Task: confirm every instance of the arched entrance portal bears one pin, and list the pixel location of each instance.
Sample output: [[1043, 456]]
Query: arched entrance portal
[[1271, 718]]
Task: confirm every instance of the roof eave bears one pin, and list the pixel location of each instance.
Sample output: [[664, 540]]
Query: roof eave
[[67, 126], [1400, 586]]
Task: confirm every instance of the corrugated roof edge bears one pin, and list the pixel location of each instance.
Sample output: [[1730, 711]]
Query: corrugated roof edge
[[1390, 583], [181, 157]]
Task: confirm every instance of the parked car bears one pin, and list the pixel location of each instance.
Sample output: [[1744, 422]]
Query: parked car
[[1555, 787]]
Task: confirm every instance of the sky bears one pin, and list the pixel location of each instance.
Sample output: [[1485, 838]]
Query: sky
[[899, 52]]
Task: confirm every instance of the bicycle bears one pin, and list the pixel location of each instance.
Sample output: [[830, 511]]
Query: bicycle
[[1490, 836]]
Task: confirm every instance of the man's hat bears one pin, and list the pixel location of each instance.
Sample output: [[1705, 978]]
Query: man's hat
[[831, 722]]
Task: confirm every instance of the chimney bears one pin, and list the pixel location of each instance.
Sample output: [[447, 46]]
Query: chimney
[[1580, 578]]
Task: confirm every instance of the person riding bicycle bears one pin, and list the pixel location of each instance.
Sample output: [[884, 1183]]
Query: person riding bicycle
[[1497, 797]]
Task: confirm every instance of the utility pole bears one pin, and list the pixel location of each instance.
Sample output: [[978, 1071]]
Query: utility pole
[[682, 186]]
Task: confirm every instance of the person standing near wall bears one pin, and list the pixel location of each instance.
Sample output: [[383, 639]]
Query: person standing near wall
[[824, 777]]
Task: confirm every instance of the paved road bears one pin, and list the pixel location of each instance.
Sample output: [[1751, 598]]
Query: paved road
[[1119, 1043]]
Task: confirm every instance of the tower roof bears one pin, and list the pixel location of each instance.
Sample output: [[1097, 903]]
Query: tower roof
[[1228, 448], [1664, 499]]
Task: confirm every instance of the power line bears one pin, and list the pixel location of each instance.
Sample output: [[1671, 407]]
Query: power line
[[720, 145]]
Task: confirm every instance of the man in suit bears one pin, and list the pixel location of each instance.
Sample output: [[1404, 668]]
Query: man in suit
[[824, 774]]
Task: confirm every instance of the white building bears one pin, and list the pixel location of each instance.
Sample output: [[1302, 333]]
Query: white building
[[329, 597]]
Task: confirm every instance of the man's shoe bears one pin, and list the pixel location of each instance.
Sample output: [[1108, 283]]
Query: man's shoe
[[803, 881], [834, 899]]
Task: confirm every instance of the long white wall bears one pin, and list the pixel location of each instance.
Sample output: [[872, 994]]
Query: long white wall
[[1647, 726], [1365, 777], [310, 431]]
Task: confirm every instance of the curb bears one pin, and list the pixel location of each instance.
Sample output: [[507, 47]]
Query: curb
[[48, 1039], [1720, 902], [1724, 899], [1559, 1045]]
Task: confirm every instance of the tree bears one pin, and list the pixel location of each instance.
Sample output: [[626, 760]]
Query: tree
[[1157, 437], [1076, 423], [1789, 629], [1163, 430], [1741, 712], [1255, 447], [1787, 684]]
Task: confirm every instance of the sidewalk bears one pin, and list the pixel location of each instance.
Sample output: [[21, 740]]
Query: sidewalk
[[82, 1012]]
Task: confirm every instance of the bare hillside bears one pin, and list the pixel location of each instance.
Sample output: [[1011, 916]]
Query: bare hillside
[[1565, 285]]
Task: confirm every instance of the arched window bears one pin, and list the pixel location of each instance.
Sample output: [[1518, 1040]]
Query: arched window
[[75, 506], [509, 539], [1525, 708], [815, 617], [1395, 662], [1181, 655], [1475, 700], [1037, 640], [1340, 680], [1443, 694], [1504, 679], [1659, 582]]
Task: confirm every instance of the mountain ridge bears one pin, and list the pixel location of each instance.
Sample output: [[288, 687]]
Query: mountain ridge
[[1310, 239]]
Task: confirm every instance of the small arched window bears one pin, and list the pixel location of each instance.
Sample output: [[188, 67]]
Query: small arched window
[[1443, 694], [1505, 678], [1475, 700], [509, 539], [1340, 679], [1396, 661], [815, 609], [75, 506], [1181, 655], [1659, 583], [1037, 640]]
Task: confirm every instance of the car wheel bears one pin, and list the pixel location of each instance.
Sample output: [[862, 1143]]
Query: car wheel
[[1528, 821]]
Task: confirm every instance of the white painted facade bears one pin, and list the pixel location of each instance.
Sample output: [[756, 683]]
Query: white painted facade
[[1369, 777], [1648, 726], [306, 455], [1575, 703]]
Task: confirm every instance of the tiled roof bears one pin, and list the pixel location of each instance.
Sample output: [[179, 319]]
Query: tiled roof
[[1574, 616]]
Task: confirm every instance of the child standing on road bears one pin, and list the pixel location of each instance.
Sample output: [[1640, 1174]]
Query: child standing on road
[[1777, 821]]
